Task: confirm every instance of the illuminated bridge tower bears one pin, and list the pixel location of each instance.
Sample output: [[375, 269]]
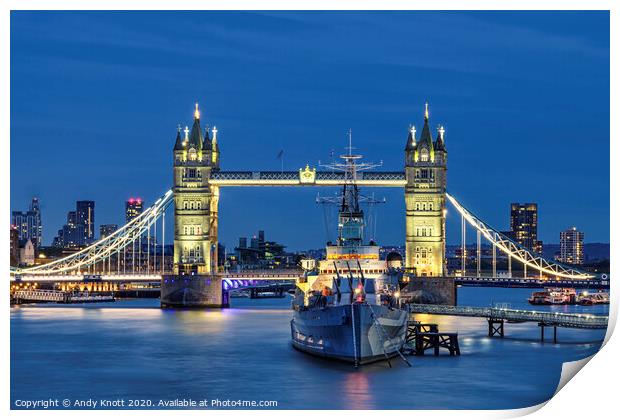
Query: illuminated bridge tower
[[195, 281], [425, 202]]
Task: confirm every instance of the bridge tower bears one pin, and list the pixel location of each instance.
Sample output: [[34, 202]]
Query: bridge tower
[[195, 281], [425, 202]]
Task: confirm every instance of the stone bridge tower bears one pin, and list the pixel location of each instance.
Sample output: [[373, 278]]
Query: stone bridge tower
[[425, 202], [195, 281]]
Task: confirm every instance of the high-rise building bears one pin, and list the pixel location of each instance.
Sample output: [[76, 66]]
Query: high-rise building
[[133, 208], [571, 246], [524, 226], [29, 224], [14, 246], [85, 216], [425, 202], [107, 230], [80, 226]]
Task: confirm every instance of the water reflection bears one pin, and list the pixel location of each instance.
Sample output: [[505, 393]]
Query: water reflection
[[135, 349]]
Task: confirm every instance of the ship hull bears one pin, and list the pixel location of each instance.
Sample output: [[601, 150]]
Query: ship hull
[[349, 332]]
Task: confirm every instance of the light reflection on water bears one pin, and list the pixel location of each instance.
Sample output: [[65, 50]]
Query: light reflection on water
[[133, 349]]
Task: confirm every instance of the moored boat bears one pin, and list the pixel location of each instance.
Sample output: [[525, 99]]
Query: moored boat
[[554, 296], [598, 298], [347, 308]]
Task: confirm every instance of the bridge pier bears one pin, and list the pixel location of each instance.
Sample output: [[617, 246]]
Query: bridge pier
[[193, 291], [542, 326], [496, 327]]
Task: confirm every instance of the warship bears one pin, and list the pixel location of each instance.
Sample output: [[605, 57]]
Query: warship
[[347, 306]]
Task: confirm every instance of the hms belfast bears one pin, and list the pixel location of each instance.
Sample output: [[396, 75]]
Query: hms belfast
[[347, 308]]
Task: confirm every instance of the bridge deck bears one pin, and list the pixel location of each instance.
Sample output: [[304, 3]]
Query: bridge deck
[[516, 315]]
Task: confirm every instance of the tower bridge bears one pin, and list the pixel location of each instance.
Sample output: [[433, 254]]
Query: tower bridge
[[197, 280]]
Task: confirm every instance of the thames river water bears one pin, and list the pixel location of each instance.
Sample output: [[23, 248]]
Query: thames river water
[[132, 349]]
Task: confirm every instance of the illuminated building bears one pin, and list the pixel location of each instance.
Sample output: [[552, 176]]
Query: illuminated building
[[28, 223], [14, 246], [85, 216], [80, 227], [571, 246], [425, 202], [524, 226], [107, 230], [133, 208], [196, 214]]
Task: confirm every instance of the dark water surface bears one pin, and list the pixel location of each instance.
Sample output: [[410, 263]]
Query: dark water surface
[[132, 349]]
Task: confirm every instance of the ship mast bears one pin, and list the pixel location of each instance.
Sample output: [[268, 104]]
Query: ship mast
[[350, 215]]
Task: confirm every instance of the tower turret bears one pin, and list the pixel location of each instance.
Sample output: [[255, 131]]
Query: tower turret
[[439, 143], [215, 151], [178, 143], [410, 147], [425, 172]]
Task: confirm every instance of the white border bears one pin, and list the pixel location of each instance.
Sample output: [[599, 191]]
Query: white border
[[592, 395]]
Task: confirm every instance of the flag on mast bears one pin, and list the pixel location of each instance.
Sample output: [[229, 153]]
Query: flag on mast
[[281, 157]]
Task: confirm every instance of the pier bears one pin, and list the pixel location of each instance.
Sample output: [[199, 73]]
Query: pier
[[421, 337], [496, 317]]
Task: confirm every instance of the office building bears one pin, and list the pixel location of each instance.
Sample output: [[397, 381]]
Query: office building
[[28, 223], [524, 226], [133, 208], [571, 246], [107, 230]]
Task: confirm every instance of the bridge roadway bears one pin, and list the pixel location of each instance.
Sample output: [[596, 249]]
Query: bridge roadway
[[275, 275], [532, 283], [291, 275], [559, 319]]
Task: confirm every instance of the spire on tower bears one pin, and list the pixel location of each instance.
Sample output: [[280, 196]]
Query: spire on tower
[[195, 137], [214, 131], [178, 144], [425, 137], [439, 143], [207, 139], [186, 140], [411, 142]]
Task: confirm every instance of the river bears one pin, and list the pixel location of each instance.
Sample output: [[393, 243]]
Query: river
[[133, 350]]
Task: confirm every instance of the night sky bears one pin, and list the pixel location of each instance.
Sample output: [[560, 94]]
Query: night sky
[[524, 96]]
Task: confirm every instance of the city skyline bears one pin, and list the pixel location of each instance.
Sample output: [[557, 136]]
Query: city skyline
[[131, 141]]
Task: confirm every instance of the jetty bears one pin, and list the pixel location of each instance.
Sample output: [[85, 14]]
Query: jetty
[[496, 317]]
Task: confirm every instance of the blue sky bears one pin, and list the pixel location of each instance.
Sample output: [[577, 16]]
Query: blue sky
[[524, 96]]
